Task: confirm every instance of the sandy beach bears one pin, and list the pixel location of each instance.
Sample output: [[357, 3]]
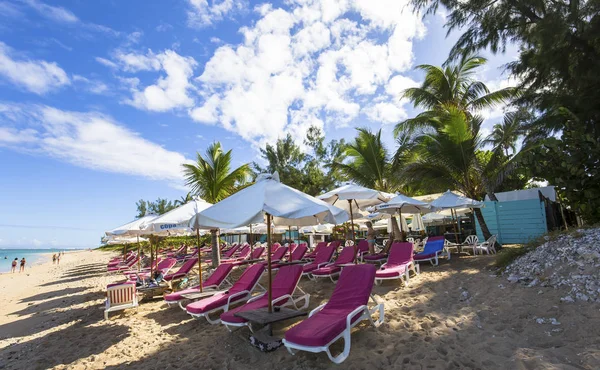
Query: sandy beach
[[459, 315]]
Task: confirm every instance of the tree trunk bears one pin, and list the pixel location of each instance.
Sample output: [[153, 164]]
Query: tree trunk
[[482, 224], [216, 252], [492, 196], [396, 230]]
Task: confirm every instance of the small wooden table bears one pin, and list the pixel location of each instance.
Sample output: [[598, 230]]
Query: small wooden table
[[263, 339]]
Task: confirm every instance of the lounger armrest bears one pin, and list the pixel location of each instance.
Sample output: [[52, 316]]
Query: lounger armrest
[[282, 298], [316, 310], [242, 293], [324, 264], [346, 264], [210, 287], [256, 297], [355, 312]]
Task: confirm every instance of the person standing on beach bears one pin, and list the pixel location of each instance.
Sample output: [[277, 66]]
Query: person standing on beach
[[22, 268], [371, 234], [54, 259], [58, 259], [14, 265]]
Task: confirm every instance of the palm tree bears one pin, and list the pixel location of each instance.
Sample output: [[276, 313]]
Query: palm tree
[[368, 164], [452, 85], [213, 180], [188, 198], [504, 135]]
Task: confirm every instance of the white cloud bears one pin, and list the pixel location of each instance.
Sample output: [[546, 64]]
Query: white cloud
[[163, 27], [55, 13], [37, 76], [106, 62], [169, 92], [134, 37], [311, 62], [93, 86], [204, 13], [90, 140]]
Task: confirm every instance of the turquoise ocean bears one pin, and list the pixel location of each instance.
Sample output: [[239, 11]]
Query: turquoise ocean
[[32, 256]]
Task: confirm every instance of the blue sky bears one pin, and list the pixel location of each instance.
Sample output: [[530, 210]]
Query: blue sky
[[101, 101]]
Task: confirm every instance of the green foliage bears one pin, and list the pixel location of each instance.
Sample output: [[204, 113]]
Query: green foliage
[[158, 207], [211, 177], [557, 67], [308, 171], [571, 163]]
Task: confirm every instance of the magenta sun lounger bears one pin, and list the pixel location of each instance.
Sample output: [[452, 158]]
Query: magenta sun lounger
[[241, 291], [278, 255], [214, 281], [164, 266], [335, 319], [313, 254], [228, 256], [334, 268], [183, 271], [296, 255], [432, 251], [283, 287], [362, 249], [255, 255], [322, 258], [125, 267], [399, 264]]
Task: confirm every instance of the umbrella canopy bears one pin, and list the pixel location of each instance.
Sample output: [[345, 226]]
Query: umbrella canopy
[[176, 220], [402, 203], [131, 228], [271, 200], [287, 205], [449, 200], [417, 222], [124, 240], [360, 197]]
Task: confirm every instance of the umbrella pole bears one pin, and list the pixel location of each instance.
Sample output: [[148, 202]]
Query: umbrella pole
[[270, 294], [151, 258], [290, 248], [400, 220], [352, 230], [452, 212], [251, 244], [199, 259], [139, 258]]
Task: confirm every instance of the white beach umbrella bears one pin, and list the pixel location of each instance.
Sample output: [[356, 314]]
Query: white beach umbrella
[[354, 199], [449, 200], [270, 201], [417, 222], [404, 203], [131, 228], [177, 222]]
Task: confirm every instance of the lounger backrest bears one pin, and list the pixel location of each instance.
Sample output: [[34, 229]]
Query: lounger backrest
[[257, 252], [166, 264], [286, 280], [120, 294], [187, 266], [293, 247], [363, 246], [299, 252], [400, 253], [335, 243], [353, 288], [346, 256], [320, 245], [231, 251], [220, 274], [324, 254], [433, 246], [275, 247], [279, 253], [248, 278], [245, 252]]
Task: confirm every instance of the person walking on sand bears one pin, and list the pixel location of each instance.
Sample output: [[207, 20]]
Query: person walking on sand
[[22, 268], [58, 259], [14, 265], [54, 259]]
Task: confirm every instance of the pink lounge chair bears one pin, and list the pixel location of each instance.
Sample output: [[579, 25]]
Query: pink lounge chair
[[241, 291], [335, 319], [322, 259], [214, 281], [277, 256], [362, 249], [255, 255], [432, 251], [121, 259], [183, 271], [121, 262], [164, 266], [296, 255], [313, 254], [399, 264], [334, 268], [283, 287], [375, 258], [129, 265], [228, 256], [178, 251], [119, 297]]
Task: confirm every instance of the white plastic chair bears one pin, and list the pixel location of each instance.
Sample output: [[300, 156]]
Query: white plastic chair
[[487, 246], [349, 243], [120, 297], [471, 243]]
